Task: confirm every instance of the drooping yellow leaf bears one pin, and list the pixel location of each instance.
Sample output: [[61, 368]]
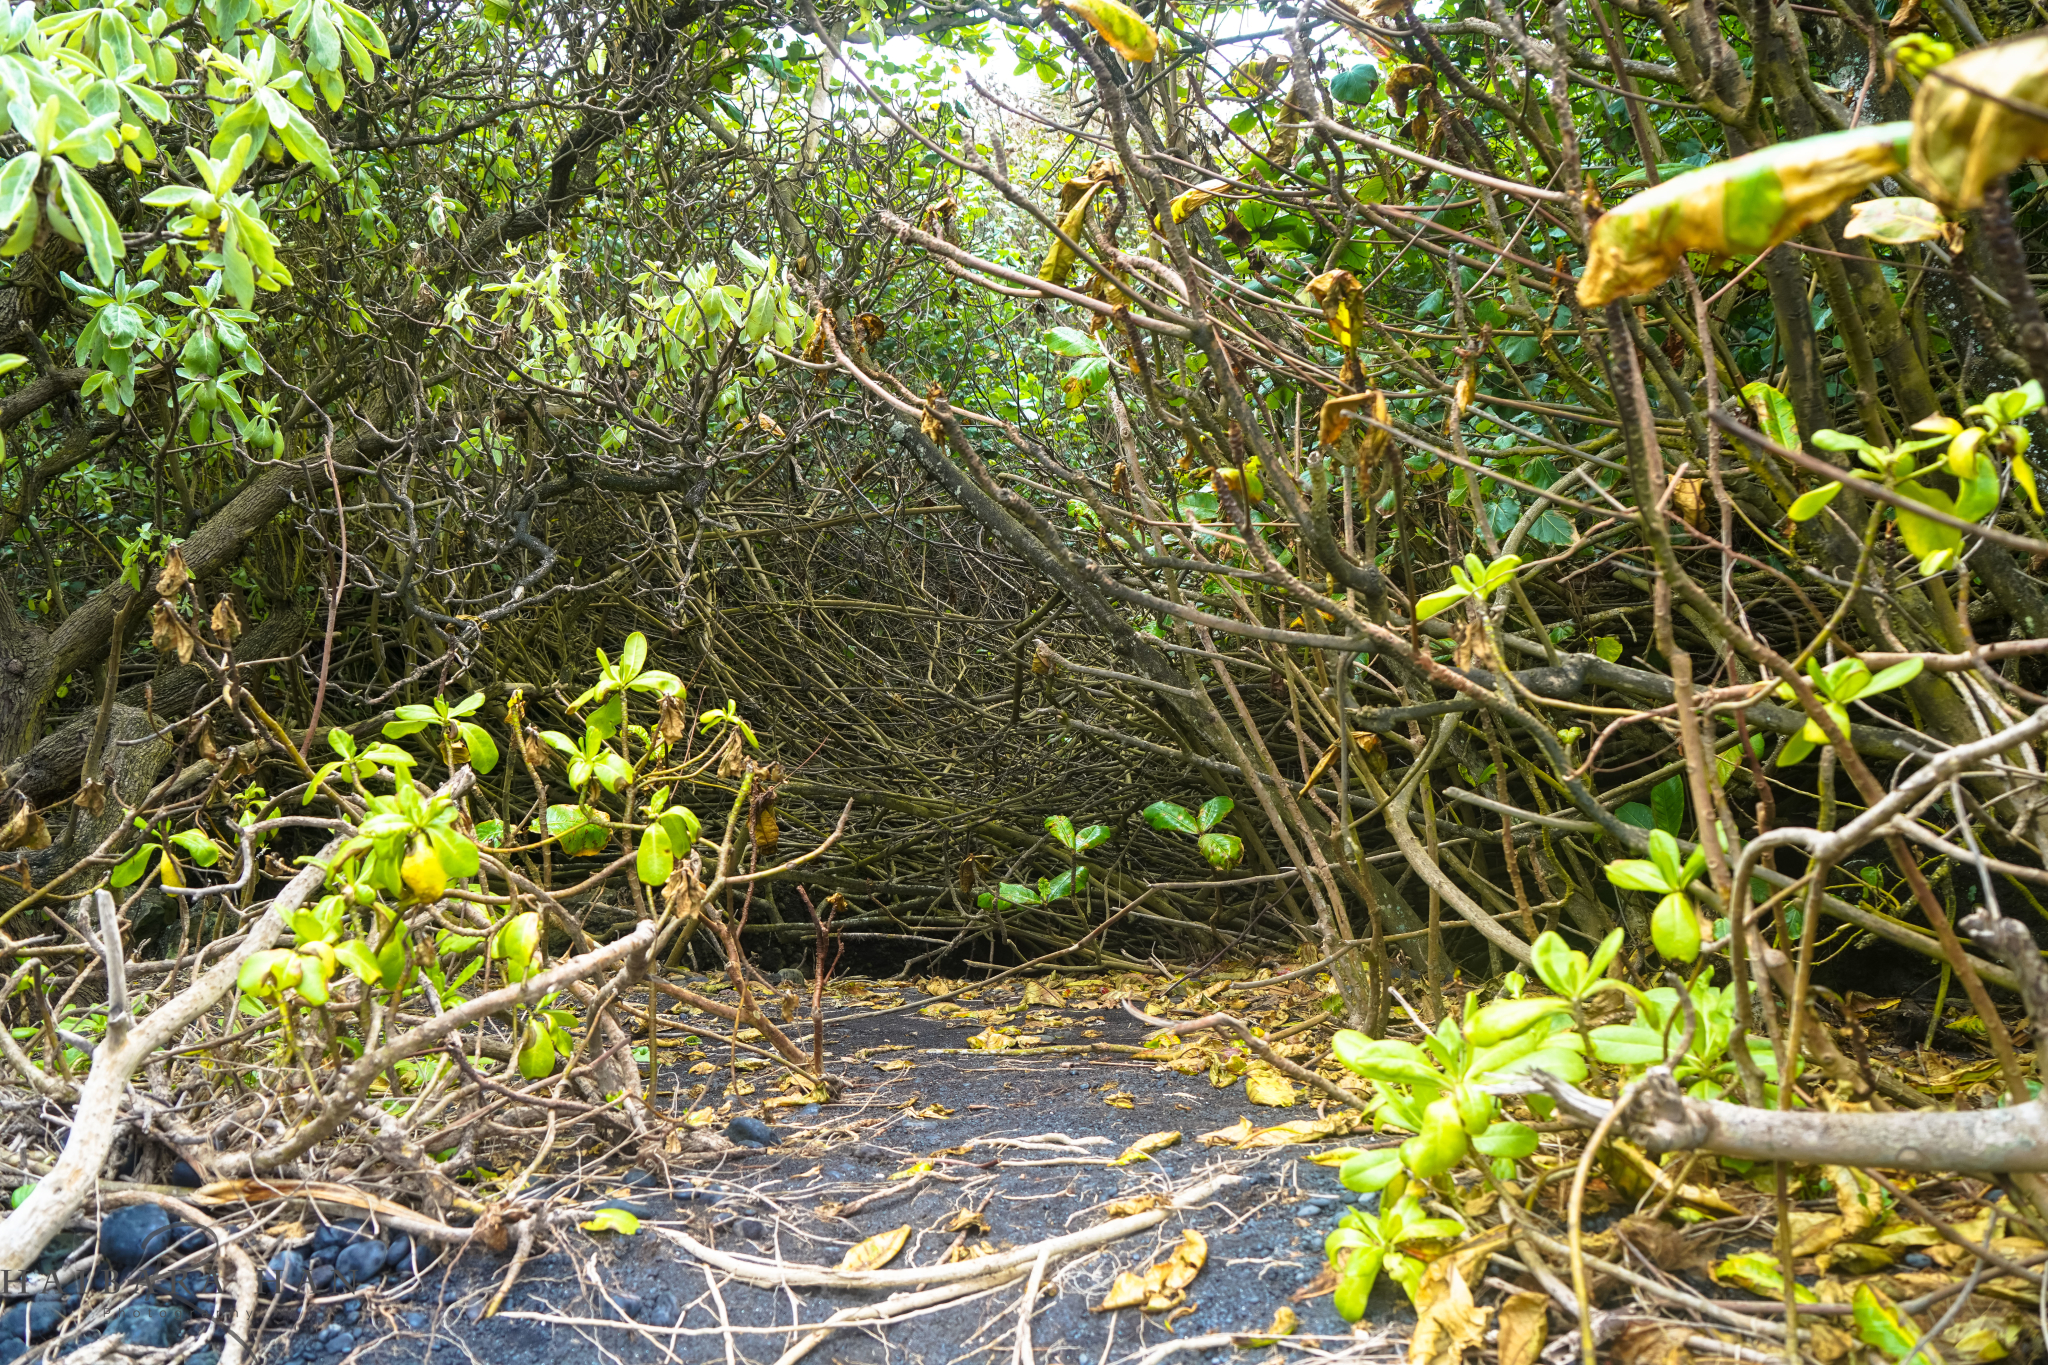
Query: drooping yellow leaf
[[1965, 132], [1201, 194], [1740, 207], [1895, 221], [1524, 1327], [1059, 262], [1342, 299], [1164, 1286], [1142, 1149], [1129, 36], [1264, 1085], [877, 1251]]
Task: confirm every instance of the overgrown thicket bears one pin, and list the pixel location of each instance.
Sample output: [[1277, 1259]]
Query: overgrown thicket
[[625, 489]]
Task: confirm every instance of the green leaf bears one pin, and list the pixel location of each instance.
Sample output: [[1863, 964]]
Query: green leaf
[[1557, 963], [1773, 413], [483, 750], [1607, 647], [1898, 675], [97, 230], [1091, 837], [656, 860], [1434, 603], [1221, 850], [130, 869], [357, 957], [612, 1220], [1165, 815], [1633, 874], [22, 1192], [1062, 829], [1808, 505], [1514, 1141], [201, 849], [1214, 809], [1635, 813], [1667, 804]]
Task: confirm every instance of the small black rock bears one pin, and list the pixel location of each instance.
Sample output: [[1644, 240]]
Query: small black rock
[[629, 1303], [184, 1176], [31, 1321], [661, 1308], [750, 1130], [360, 1261], [147, 1325], [415, 1321], [1919, 1260], [321, 1278], [398, 1255], [336, 1235], [130, 1236], [341, 1343], [753, 1229], [288, 1271]]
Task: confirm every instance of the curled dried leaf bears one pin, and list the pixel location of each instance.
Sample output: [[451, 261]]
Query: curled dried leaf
[[226, 622], [170, 634], [172, 578]]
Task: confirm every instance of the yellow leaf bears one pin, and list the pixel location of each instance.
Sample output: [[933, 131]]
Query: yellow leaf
[[1140, 1203], [1120, 27], [1447, 1321], [1741, 207], [1059, 262], [877, 1251], [1142, 1149], [1165, 1285], [1264, 1085], [1039, 993], [702, 1069], [988, 1040], [900, 1064], [1120, 1100], [1965, 132], [1524, 1328], [1895, 221], [1227, 1137], [1284, 1323], [1201, 194]]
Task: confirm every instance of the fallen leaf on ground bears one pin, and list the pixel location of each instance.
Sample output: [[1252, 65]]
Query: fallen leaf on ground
[[932, 1111], [1757, 1271], [1120, 1098], [1651, 1345], [1165, 1285], [702, 1069], [1038, 993], [900, 1064], [1447, 1320], [1284, 1323], [988, 1040], [1142, 1149], [1227, 1137], [967, 1220], [1141, 1203], [1524, 1327], [1264, 1085], [1325, 1282], [877, 1251]]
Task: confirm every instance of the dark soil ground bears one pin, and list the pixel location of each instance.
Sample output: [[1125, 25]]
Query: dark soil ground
[[834, 1176]]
